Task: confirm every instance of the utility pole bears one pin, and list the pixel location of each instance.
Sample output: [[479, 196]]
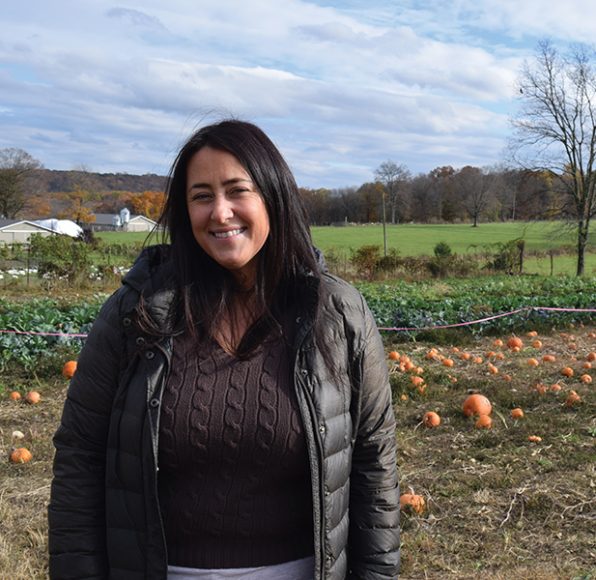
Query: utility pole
[[384, 222]]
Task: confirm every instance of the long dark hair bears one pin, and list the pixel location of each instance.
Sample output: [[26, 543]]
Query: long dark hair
[[207, 289]]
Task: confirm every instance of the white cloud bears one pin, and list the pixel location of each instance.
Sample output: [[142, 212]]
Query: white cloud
[[339, 87]]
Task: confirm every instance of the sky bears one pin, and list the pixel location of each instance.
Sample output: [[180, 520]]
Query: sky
[[340, 86]]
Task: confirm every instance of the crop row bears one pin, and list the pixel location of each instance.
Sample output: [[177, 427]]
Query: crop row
[[397, 304], [425, 304]]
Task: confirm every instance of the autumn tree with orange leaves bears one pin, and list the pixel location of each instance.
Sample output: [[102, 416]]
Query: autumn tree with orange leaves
[[77, 209], [148, 203]]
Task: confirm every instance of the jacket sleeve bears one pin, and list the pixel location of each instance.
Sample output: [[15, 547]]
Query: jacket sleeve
[[76, 510], [373, 547]]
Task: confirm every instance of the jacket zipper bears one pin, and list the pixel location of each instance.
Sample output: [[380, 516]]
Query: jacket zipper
[[155, 445], [315, 455]]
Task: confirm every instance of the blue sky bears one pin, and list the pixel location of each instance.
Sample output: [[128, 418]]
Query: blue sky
[[340, 86]]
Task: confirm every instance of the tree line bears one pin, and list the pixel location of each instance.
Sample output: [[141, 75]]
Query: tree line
[[443, 195]]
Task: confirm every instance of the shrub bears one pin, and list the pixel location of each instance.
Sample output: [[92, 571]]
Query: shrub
[[443, 250], [61, 257], [391, 262], [508, 258], [441, 264], [365, 259]]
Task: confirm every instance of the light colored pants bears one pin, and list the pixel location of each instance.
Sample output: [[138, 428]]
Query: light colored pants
[[296, 570]]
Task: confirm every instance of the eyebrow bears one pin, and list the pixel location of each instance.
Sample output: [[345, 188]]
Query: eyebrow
[[231, 181]]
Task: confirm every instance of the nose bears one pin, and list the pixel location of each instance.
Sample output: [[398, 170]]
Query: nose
[[221, 210]]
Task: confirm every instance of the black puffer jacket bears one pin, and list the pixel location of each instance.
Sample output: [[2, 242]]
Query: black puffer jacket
[[104, 513]]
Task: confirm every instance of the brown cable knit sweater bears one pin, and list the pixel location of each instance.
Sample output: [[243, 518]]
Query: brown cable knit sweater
[[234, 481]]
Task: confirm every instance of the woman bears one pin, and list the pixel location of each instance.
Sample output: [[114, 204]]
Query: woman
[[231, 414]]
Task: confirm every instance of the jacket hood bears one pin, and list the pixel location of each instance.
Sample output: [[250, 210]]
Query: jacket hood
[[150, 263], [152, 277]]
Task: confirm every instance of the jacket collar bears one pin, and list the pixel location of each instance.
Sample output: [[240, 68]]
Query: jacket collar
[[152, 277]]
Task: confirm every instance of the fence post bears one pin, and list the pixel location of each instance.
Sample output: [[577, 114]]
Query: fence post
[[28, 262]]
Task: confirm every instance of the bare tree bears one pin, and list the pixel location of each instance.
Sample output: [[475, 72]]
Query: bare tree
[[16, 166], [393, 177], [474, 185], [556, 129]]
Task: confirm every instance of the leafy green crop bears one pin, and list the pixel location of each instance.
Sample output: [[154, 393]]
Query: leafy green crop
[[395, 304], [427, 304], [42, 316]]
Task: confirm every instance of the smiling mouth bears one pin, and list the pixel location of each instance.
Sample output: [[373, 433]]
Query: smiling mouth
[[228, 234]]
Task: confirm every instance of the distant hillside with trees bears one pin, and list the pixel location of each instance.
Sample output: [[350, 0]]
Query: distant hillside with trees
[[53, 181]]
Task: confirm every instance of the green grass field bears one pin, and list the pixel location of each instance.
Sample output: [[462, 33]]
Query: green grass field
[[420, 240]]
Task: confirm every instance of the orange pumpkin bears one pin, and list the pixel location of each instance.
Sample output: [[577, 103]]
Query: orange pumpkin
[[412, 501], [477, 404], [515, 342], [20, 455], [431, 419], [517, 413], [14, 396], [498, 342], [586, 379], [447, 362], [69, 369], [416, 381], [591, 357], [32, 397], [532, 362], [540, 388], [556, 387], [572, 399], [483, 422], [531, 333], [492, 369], [393, 355], [567, 371], [549, 358], [537, 344], [534, 438]]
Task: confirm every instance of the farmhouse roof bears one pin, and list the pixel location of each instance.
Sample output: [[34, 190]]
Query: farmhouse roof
[[107, 219], [141, 218], [5, 223]]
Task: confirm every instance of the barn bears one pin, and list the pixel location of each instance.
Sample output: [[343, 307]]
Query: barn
[[19, 231]]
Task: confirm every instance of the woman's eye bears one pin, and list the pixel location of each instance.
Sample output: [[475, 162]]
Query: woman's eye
[[201, 196]]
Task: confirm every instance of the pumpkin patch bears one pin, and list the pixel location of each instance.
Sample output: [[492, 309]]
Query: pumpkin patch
[[473, 483]]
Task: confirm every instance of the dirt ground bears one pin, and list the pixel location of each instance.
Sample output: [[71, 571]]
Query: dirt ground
[[497, 505]]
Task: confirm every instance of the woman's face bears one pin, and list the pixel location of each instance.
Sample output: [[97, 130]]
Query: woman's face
[[227, 213]]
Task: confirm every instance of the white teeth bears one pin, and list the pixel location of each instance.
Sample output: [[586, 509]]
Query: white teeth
[[228, 234]]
